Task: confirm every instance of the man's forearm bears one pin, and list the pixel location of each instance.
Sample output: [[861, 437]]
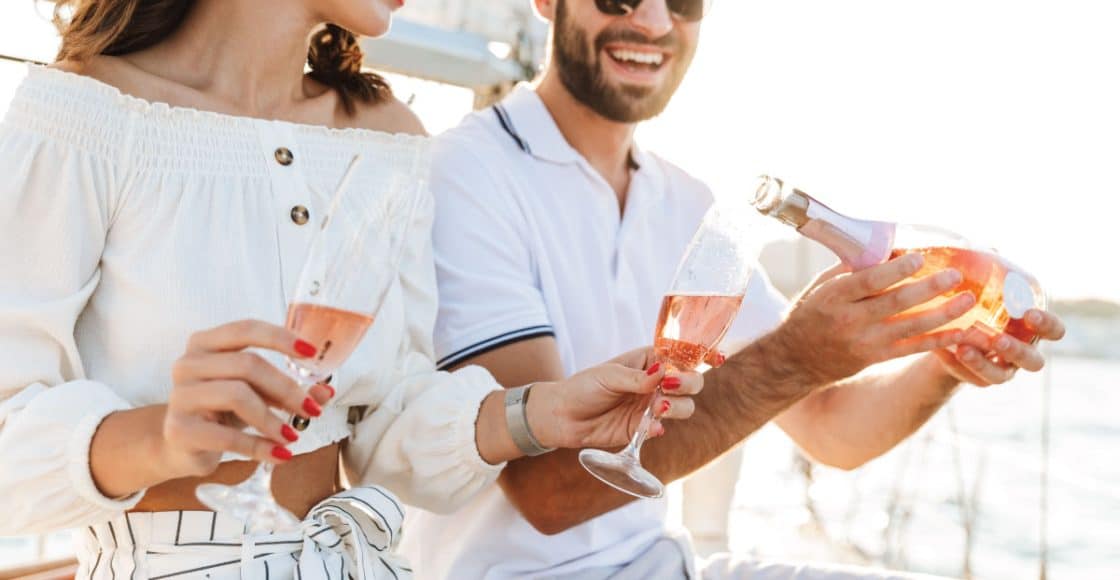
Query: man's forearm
[[858, 420], [555, 493]]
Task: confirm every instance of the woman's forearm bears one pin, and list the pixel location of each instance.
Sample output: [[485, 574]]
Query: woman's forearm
[[495, 444], [125, 454]]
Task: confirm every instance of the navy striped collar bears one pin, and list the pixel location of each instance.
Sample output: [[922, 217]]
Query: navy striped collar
[[526, 119], [523, 116]]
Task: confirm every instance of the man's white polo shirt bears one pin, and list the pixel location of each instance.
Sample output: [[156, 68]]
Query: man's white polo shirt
[[529, 241]]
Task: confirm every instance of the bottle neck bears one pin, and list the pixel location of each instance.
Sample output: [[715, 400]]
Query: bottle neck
[[858, 243]]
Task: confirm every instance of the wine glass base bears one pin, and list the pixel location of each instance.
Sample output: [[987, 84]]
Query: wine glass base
[[259, 512], [621, 472]]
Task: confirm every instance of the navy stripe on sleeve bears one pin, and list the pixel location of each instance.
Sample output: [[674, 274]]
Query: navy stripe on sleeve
[[484, 346]]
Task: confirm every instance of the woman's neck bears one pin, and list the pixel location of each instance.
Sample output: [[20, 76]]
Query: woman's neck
[[249, 54]]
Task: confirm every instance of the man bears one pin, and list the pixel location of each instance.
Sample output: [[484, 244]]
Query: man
[[555, 238]]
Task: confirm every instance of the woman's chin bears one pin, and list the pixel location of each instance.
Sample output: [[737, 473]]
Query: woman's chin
[[376, 20], [372, 29]]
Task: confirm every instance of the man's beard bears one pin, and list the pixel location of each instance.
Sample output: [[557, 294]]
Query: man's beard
[[582, 73]]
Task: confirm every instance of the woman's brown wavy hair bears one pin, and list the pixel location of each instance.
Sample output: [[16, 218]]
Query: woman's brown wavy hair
[[116, 27]]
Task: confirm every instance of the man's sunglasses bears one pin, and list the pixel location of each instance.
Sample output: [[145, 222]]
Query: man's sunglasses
[[687, 10]]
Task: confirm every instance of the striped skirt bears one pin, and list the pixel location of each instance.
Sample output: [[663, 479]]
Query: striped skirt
[[349, 535]]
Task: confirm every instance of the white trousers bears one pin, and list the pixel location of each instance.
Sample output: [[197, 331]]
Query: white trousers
[[708, 496], [349, 535], [673, 558]]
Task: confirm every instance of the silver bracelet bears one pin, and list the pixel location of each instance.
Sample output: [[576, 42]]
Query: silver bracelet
[[517, 421]]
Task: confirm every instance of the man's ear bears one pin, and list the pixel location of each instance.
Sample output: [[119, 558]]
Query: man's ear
[[546, 9]]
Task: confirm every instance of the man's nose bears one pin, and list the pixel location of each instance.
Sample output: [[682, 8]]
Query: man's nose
[[652, 17]]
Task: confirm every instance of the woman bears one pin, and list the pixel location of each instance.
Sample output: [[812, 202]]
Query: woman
[[155, 181]]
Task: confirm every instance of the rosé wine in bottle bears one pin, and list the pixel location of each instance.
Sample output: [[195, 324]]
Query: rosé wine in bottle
[[1003, 291]]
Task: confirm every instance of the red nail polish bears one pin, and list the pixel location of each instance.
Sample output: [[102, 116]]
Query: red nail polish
[[289, 433], [665, 405], [671, 383], [718, 360], [329, 388], [282, 453], [305, 349], [311, 407], [653, 369]]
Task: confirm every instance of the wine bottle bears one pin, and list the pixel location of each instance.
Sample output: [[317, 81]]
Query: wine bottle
[[1004, 292]]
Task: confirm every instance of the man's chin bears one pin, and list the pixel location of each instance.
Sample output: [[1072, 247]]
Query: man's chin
[[628, 111]]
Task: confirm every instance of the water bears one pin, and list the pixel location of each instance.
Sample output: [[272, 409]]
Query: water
[[904, 510]]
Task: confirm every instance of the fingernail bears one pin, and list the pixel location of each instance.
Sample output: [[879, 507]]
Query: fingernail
[[329, 388], [665, 406], [305, 349], [282, 453], [719, 359], [659, 430], [969, 355], [671, 383], [951, 277], [1035, 317], [652, 370], [914, 261], [289, 433], [1003, 343], [311, 407]]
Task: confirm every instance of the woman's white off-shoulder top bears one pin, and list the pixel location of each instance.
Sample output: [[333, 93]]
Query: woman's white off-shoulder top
[[126, 226]]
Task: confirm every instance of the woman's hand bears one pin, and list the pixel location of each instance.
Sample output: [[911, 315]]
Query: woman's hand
[[603, 406], [219, 389]]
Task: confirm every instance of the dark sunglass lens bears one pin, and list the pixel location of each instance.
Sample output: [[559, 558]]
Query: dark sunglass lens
[[690, 10], [617, 7]]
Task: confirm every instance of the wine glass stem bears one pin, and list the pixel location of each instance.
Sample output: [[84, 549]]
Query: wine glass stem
[[261, 481], [635, 446]]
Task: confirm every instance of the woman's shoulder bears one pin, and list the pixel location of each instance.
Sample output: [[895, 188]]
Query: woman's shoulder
[[118, 73], [388, 116]]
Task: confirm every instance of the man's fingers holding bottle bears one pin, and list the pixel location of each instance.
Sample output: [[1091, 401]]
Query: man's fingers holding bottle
[[1018, 353], [906, 326], [874, 280], [903, 298], [922, 343], [836, 270], [1046, 324], [984, 371]]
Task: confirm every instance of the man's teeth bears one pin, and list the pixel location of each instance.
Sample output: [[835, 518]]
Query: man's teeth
[[651, 58]]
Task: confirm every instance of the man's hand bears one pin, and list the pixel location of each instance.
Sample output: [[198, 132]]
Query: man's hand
[[968, 364], [845, 322]]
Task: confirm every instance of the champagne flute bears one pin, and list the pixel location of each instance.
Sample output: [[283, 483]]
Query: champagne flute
[[353, 259], [696, 313]]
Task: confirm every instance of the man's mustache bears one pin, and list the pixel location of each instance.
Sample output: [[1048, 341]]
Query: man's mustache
[[669, 42]]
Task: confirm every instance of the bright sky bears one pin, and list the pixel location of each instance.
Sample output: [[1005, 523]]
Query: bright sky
[[999, 119], [994, 118]]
